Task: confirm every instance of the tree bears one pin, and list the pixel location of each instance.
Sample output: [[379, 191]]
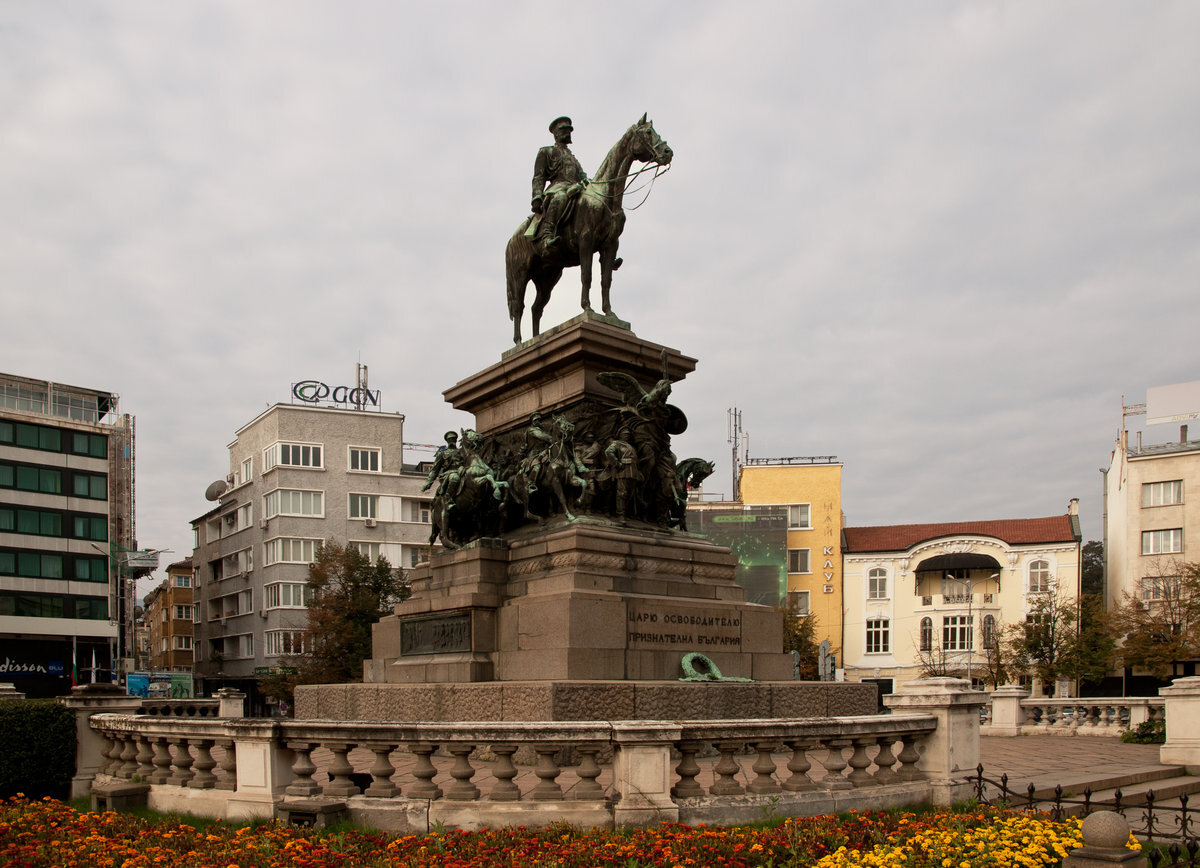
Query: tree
[[800, 635], [1091, 569], [1163, 626], [349, 594], [1055, 642]]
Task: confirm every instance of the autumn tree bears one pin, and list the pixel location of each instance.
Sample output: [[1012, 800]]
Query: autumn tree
[[800, 636], [1161, 626], [1055, 642], [349, 594]]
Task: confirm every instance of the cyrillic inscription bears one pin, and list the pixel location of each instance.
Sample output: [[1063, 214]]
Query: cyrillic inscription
[[662, 625], [438, 635]]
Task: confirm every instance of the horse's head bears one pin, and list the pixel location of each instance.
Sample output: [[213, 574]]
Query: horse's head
[[648, 145]]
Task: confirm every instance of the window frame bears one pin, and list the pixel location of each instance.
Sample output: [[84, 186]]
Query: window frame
[[956, 628], [354, 502], [353, 453], [801, 511], [273, 454], [793, 555], [1152, 541], [1040, 570], [876, 577], [1150, 489], [878, 636]]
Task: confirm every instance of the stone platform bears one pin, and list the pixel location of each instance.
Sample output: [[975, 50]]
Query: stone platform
[[584, 700], [577, 601]]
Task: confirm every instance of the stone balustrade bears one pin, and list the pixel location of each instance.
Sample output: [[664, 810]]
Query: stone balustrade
[[409, 777], [1011, 711]]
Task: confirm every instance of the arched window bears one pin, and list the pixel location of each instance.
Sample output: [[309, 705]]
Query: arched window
[[926, 634], [1039, 577], [877, 584], [989, 631]]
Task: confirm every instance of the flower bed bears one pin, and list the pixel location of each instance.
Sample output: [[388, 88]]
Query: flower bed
[[47, 832]]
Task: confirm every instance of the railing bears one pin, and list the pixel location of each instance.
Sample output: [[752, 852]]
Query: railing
[[413, 776], [1148, 819], [1079, 716]]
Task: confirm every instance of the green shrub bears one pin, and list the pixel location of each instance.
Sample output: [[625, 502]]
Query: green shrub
[[1146, 732], [37, 748]]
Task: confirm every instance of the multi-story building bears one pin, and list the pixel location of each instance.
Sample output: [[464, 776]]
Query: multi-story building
[[799, 500], [924, 598], [66, 505], [170, 613], [1150, 527], [299, 476]]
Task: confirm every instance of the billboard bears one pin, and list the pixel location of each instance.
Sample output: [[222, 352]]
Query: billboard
[[757, 535], [1178, 403]]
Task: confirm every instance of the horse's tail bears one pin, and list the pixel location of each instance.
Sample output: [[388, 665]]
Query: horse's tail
[[517, 258]]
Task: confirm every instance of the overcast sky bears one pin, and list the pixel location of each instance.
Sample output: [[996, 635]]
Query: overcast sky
[[937, 240]]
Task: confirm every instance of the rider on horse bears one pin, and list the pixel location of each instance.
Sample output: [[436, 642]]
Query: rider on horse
[[555, 165]]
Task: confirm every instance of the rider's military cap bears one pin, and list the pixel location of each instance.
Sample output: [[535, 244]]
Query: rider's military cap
[[554, 123]]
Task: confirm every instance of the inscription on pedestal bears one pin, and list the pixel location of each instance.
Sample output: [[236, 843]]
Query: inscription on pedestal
[[663, 625], [438, 635]]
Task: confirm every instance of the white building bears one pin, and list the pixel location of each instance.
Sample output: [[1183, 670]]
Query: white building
[[1149, 525], [916, 593], [298, 476]]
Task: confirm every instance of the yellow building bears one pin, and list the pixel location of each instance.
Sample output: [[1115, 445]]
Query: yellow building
[[811, 490]]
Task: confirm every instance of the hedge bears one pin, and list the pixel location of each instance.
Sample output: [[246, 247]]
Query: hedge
[[37, 748]]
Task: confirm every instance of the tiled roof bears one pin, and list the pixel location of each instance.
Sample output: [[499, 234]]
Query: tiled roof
[[1014, 531]]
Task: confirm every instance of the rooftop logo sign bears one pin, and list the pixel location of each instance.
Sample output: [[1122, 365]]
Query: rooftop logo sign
[[316, 392]]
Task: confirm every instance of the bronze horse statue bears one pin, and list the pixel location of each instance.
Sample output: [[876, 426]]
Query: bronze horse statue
[[592, 226]]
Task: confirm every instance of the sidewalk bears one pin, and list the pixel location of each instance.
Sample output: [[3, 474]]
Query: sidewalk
[[1047, 760]]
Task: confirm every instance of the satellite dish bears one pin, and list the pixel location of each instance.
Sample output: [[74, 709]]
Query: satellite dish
[[214, 491]]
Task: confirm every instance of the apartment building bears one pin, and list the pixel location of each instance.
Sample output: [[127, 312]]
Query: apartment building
[[299, 476], [169, 616]]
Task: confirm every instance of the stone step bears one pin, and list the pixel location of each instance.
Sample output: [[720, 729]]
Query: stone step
[[1074, 786]]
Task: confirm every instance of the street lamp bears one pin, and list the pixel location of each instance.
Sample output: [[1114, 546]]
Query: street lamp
[[970, 584]]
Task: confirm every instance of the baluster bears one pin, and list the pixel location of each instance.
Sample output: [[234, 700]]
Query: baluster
[[1093, 718], [228, 764], [162, 760], [203, 778], [181, 761], [424, 771], [687, 770], [106, 760], [835, 764], [340, 770], [1043, 716], [128, 767], [885, 759], [799, 765], [303, 784], [145, 759], [909, 756], [547, 770], [462, 790], [727, 769], [860, 762], [381, 772], [504, 790], [589, 770], [764, 768]]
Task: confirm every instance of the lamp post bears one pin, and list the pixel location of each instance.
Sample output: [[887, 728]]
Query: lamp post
[[970, 585]]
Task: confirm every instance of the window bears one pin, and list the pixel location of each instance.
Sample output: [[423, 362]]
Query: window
[[183, 613], [989, 631], [284, 642], [1039, 577], [798, 561], [23, 477], [926, 634], [369, 549], [286, 501], [90, 485], [1158, 588], [418, 510], [90, 527], [797, 602], [1162, 493], [287, 595], [878, 636], [364, 459], [245, 516], [417, 555], [957, 633], [291, 551], [292, 455], [181, 580], [181, 643], [240, 646], [244, 473], [799, 516], [363, 505], [1162, 542], [877, 584]]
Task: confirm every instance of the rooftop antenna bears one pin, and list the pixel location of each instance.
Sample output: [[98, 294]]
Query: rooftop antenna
[[360, 380], [740, 446]]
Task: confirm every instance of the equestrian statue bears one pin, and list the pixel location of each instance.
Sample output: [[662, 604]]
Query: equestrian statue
[[575, 218]]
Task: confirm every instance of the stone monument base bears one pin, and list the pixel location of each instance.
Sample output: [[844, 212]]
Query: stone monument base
[[584, 700], [581, 600]]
